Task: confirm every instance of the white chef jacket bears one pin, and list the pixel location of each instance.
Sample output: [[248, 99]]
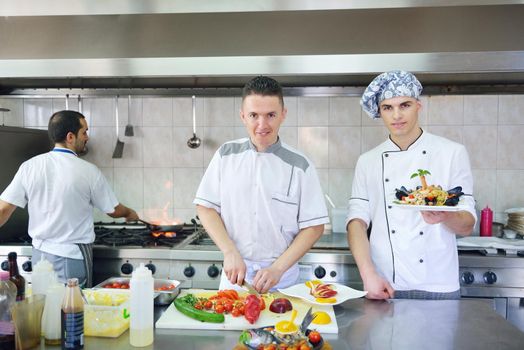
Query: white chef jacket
[[263, 198], [60, 190], [407, 251]]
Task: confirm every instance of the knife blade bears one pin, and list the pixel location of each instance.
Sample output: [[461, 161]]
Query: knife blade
[[250, 289]]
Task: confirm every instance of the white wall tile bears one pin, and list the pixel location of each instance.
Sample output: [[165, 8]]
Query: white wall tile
[[373, 136], [157, 111], [15, 117], [423, 112], [481, 109], [159, 215], [186, 182], [340, 182], [452, 132], [510, 153], [220, 111], [183, 156], [510, 192], [183, 112], [289, 135], [185, 214], [481, 143], [511, 109], [100, 111], [345, 111], [484, 188], [130, 111], [102, 141], [158, 188], [291, 104], [323, 178], [158, 147], [313, 142], [368, 121], [446, 110], [313, 111], [59, 104], [213, 138], [37, 112], [237, 105], [344, 146], [129, 186]]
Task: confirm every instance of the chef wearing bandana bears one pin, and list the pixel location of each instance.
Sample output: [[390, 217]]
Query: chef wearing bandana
[[409, 254]]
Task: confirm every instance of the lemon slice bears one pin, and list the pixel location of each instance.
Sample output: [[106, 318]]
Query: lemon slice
[[312, 283], [326, 300], [321, 317]]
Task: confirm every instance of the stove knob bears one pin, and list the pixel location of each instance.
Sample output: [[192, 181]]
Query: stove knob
[[151, 267], [126, 268], [467, 277], [213, 271], [189, 271], [320, 272], [5, 265], [27, 266], [490, 277]]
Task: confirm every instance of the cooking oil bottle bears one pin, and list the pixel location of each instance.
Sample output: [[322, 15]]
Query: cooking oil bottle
[[72, 317], [141, 313]]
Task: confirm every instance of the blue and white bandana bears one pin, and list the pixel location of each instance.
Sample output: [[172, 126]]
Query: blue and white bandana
[[388, 85]]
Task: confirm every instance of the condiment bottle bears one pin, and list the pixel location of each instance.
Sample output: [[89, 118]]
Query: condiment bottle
[[42, 277], [141, 307], [51, 318], [486, 222], [16, 278], [72, 317], [7, 300]]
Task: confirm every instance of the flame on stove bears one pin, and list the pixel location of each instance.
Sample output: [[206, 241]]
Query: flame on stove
[[164, 234]]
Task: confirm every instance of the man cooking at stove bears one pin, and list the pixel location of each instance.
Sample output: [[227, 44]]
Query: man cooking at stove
[[409, 254], [61, 190], [260, 200]]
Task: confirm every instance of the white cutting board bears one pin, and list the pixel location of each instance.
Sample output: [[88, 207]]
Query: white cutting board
[[172, 318]]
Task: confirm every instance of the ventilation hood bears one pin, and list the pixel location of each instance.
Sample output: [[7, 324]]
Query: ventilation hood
[[196, 44]]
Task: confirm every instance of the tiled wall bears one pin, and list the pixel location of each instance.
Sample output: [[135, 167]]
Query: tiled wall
[[158, 174]]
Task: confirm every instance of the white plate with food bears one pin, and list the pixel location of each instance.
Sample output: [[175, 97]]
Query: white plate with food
[[343, 293], [457, 207]]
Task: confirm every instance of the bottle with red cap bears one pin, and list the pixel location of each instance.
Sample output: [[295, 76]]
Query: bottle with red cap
[[486, 222]]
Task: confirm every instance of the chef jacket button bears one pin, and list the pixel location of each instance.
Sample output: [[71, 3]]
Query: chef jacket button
[[387, 180], [421, 233], [386, 155], [392, 231], [421, 261], [389, 207], [423, 152]]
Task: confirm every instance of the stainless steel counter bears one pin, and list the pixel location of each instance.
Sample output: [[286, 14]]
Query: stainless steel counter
[[365, 324]]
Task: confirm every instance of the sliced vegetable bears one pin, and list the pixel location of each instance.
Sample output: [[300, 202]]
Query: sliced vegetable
[[280, 306], [186, 305], [323, 291], [252, 308]]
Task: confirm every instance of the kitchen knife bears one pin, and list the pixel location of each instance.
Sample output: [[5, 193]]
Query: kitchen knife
[[250, 289]]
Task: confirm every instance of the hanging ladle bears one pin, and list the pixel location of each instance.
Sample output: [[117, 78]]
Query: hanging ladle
[[194, 142]]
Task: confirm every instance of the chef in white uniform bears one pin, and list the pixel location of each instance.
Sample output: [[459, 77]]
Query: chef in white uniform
[[409, 253], [260, 200]]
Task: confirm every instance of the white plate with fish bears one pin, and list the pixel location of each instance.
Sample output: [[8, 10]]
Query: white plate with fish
[[344, 293]]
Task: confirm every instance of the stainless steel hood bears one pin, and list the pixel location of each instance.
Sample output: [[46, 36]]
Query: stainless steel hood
[[188, 44]]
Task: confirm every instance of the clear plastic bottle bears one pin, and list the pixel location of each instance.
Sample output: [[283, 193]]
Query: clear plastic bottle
[[141, 308], [42, 277], [72, 316], [16, 277], [51, 321], [7, 300]]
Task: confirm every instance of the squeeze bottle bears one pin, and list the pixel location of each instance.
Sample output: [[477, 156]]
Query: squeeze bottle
[[486, 222], [141, 307], [42, 277], [7, 300]]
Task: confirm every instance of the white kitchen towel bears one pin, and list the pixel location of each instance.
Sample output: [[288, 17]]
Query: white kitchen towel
[[490, 242]]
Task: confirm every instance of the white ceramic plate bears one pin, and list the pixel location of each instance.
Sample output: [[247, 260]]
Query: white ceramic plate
[[302, 291], [458, 207]]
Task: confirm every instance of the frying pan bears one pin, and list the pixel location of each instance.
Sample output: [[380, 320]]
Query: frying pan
[[162, 228]]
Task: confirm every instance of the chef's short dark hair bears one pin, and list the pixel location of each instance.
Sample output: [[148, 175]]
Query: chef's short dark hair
[[63, 122], [264, 86]]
